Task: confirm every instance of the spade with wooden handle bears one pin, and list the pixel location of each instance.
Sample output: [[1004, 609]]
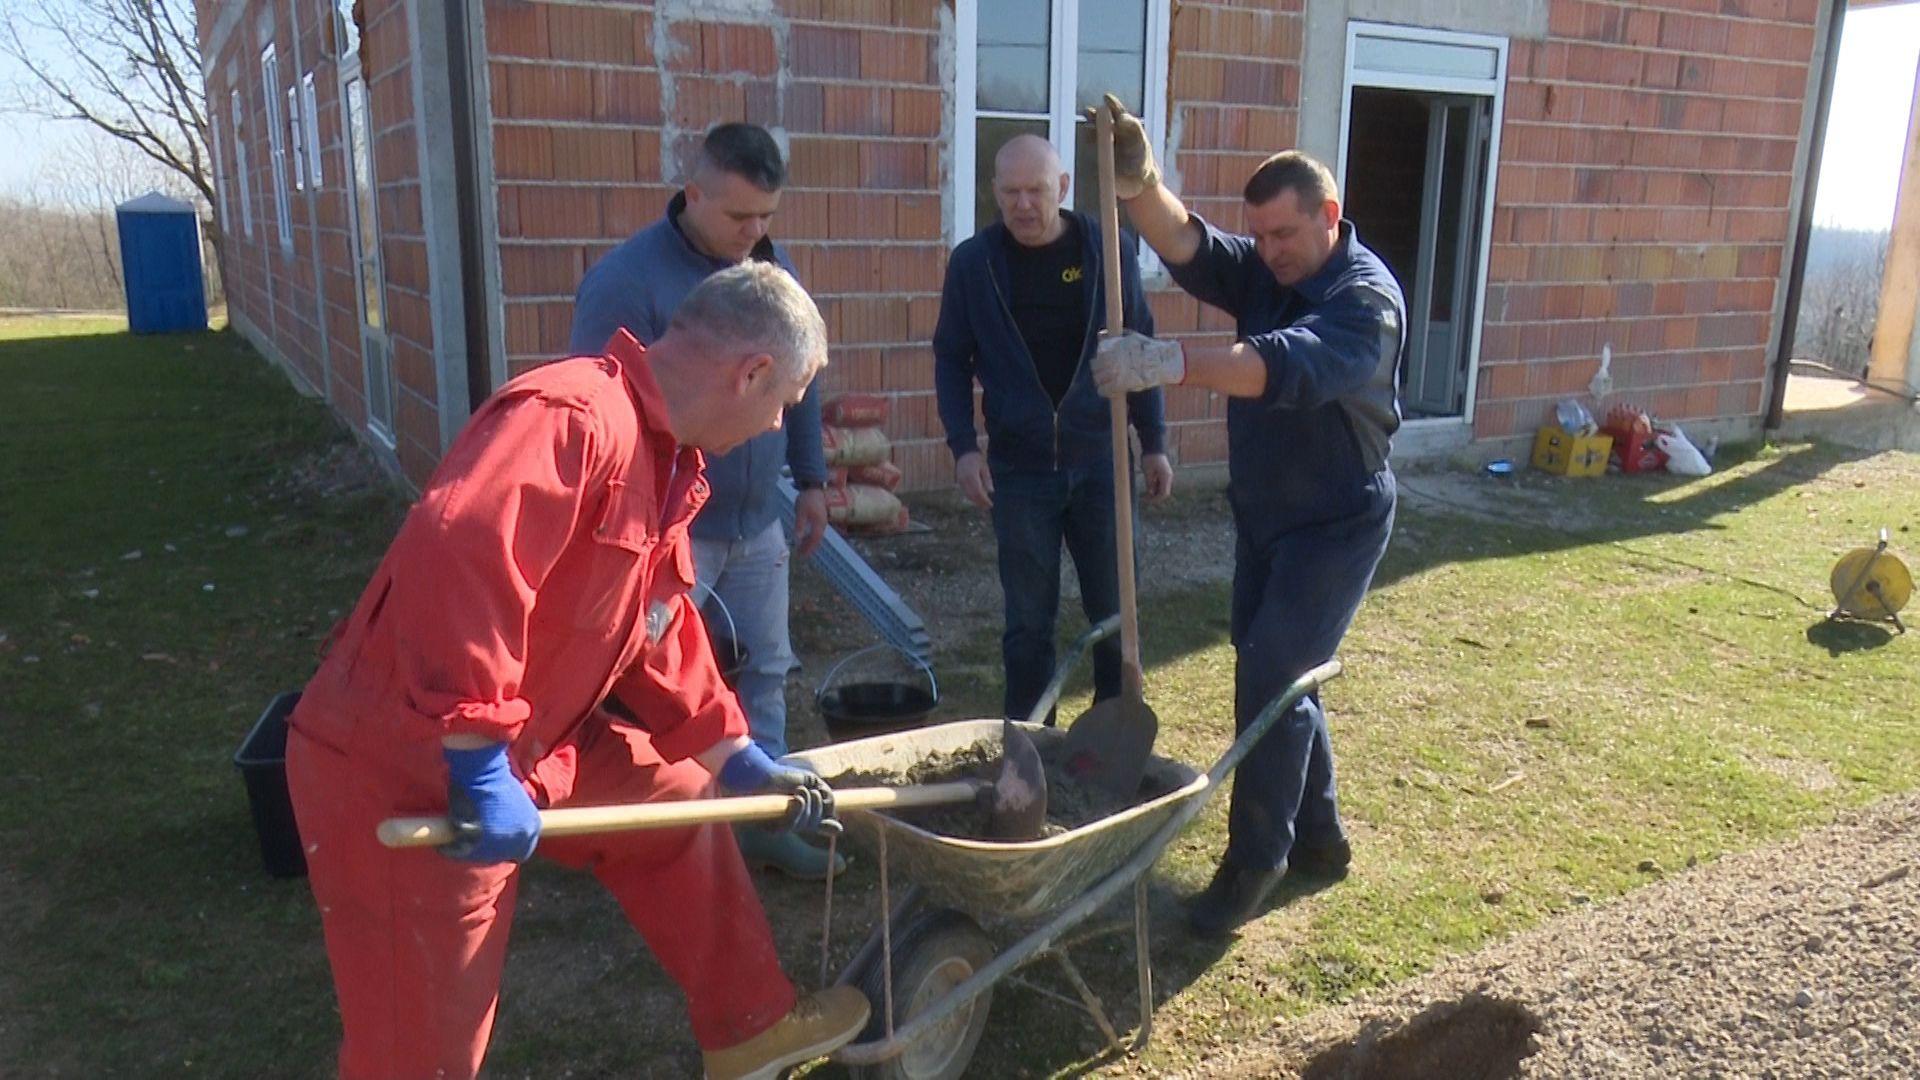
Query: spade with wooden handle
[[406, 832], [1108, 747]]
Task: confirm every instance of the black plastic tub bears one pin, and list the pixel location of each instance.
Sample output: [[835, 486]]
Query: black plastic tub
[[262, 760], [857, 710]]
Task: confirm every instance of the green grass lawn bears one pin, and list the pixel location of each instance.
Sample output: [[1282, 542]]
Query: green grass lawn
[[1553, 684]]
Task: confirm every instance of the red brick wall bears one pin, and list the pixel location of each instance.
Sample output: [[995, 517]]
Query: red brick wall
[[277, 291], [385, 59], [1234, 98], [1643, 200], [592, 102]]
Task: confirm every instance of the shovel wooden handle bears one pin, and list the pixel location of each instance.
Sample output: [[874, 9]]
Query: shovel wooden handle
[[1131, 674], [407, 832]]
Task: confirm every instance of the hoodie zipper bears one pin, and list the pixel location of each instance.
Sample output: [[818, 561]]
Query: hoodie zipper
[[1033, 367]]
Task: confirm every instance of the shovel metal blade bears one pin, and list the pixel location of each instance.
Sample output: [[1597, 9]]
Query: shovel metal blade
[[1108, 746], [1018, 800]]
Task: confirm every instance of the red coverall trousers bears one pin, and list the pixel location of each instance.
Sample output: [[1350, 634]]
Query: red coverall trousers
[[417, 940]]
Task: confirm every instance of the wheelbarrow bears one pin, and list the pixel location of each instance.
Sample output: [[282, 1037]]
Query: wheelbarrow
[[930, 967]]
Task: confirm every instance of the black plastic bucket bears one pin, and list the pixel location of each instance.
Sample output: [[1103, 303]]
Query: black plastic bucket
[[262, 760], [876, 705]]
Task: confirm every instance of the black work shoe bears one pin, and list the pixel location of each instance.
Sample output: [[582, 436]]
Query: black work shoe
[[1320, 862], [1235, 895]]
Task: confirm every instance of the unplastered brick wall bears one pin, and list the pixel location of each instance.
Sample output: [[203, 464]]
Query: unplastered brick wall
[[1643, 203], [1234, 98], [386, 58], [288, 296], [595, 107]]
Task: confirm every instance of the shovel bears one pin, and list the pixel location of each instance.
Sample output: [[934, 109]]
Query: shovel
[[1108, 747], [410, 832]]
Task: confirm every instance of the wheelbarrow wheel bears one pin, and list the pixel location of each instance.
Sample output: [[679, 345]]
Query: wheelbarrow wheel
[[931, 955]]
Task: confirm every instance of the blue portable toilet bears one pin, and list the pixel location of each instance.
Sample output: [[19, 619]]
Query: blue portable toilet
[[160, 262]]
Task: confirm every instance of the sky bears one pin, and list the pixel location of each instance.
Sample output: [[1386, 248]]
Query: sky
[[1859, 174], [1867, 125]]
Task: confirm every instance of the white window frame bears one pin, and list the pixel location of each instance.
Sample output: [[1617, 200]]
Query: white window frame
[[220, 174], [277, 144], [297, 137], [1062, 62], [316, 176], [1494, 86], [241, 177]]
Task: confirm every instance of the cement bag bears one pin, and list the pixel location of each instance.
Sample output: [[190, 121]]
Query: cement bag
[[854, 446], [1683, 457], [855, 411], [885, 475], [858, 505]]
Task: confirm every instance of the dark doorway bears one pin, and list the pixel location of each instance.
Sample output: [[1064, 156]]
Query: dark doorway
[[1416, 176]]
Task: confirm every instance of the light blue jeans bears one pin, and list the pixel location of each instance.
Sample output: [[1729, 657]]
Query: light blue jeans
[[750, 578]]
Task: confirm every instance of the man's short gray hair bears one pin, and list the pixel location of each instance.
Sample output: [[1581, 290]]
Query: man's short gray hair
[[753, 308]]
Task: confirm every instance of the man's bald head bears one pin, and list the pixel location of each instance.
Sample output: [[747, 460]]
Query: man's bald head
[[1027, 151], [1029, 184]]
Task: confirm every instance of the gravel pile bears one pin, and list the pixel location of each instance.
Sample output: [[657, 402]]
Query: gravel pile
[[1797, 960]]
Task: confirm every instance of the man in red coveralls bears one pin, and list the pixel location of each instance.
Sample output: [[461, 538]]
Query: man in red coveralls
[[543, 573]]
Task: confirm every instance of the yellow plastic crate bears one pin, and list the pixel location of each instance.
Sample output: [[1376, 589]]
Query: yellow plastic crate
[[1555, 450]]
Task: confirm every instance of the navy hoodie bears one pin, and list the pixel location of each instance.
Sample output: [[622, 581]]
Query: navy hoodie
[[976, 338]]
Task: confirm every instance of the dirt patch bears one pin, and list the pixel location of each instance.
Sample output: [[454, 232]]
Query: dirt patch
[[344, 468], [1475, 1038], [1795, 959], [1070, 803]]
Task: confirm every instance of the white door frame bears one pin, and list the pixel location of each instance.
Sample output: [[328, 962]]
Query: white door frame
[[1494, 85]]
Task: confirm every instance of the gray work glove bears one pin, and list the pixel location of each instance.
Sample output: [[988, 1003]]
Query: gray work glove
[[1133, 362], [1133, 168]]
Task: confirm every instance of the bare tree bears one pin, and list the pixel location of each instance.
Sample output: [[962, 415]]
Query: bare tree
[[1840, 299], [128, 68]]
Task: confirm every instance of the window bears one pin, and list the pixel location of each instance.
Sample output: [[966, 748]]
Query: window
[[220, 176], [315, 176], [1035, 66], [277, 145], [297, 125], [242, 178]]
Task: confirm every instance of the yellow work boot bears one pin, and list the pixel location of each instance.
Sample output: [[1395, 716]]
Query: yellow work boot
[[818, 1025]]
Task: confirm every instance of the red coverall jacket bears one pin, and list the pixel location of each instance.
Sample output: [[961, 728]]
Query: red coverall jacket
[[545, 566]]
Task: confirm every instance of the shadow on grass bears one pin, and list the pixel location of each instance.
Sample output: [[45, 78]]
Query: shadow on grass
[[1621, 510], [1841, 636]]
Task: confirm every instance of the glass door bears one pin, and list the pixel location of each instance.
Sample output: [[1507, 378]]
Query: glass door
[[364, 229]]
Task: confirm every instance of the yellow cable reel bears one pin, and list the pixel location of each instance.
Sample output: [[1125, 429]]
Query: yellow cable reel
[[1871, 583]]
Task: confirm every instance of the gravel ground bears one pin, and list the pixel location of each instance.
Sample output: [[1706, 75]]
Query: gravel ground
[[1796, 960]]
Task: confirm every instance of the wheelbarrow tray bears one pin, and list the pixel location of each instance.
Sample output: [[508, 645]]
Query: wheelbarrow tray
[[999, 880]]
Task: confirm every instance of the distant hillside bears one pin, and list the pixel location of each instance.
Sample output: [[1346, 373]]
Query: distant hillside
[[1832, 248]]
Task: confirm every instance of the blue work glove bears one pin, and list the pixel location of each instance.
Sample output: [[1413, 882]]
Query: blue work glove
[[751, 771], [494, 820]]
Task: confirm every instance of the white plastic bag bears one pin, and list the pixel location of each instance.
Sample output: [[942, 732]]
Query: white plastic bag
[[1683, 458]]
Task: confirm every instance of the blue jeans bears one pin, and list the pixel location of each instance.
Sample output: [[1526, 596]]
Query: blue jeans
[[1293, 598], [750, 578], [1032, 514]]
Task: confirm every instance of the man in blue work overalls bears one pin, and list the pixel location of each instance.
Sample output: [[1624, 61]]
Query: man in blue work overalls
[[1311, 383]]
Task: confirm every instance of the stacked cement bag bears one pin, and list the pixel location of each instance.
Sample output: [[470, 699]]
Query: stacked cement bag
[[861, 476]]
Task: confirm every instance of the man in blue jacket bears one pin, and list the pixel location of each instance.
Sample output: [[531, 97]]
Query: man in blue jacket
[[1312, 386], [739, 546], [1021, 313]]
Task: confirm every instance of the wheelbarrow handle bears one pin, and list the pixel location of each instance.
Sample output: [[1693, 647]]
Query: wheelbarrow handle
[[1301, 687], [1095, 634], [409, 832]]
